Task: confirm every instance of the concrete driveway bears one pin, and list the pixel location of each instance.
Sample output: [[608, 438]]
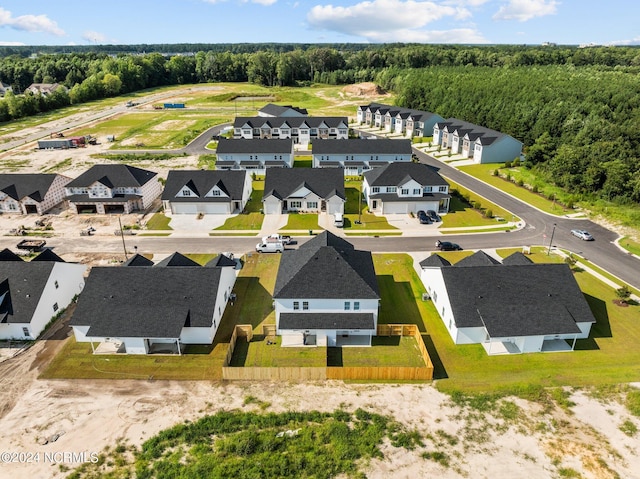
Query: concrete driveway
[[191, 225], [411, 226]]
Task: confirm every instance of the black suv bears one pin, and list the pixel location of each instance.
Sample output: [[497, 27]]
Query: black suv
[[423, 218], [447, 246]]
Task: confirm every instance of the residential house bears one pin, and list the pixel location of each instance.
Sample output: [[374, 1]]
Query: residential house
[[33, 292], [405, 188], [326, 294], [44, 88], [513, 306], [29, 193], [256, 155], [481, 144], [141, 309], [358, 155], [406, 121], [302, 130], [306, 190], [4, 88], [205, 191], [271, 110], [114, 188]]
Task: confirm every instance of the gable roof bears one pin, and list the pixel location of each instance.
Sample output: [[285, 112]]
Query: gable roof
[[361, 146], [138, 260], [8, 255], [397, 173], [326, 267], [113, 176], [20, 185], [434, 261], [146, 302], [516, 258], [278, 110], [201, 182], [486, 136], [324, 182], [479, 258], [21, 286], [48, 255], [290, 121], [255, 145], [177, 259], [221, 261]]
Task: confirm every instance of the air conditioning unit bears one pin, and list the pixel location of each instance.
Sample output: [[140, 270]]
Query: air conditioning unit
[[426, 296]]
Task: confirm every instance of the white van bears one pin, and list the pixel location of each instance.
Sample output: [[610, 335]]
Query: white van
[[270, 247], [338, 221]]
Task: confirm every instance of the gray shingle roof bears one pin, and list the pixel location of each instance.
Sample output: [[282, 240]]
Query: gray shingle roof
[[291, 121], [113, 176], [516, 258], [325, 182], [487, 135], [326, 267], [147, 302], [138, 260], [21, 286], [326, 321], [8, 255], [19, 186], [201, 182], [396, 173], [177, 259], [479, 258], [48, 255], [256, 145], [278, 110], [434, 261], [358, 146]]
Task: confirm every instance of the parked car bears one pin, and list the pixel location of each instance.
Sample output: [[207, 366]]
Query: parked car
[[582, 234], [284, 239], [338, 220], [423, 218], [447, 246], [434, 216], [270, 247]]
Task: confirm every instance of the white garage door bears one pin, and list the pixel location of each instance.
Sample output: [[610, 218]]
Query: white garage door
[[213, 208], [394, 208], [272, 208], [184, 208]]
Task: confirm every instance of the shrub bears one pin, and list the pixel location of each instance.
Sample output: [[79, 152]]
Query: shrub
[[535, 188], [508, 177], [520, 182], [477, 205], [507, 164], [516, 162], [488, 213], [496, 172]]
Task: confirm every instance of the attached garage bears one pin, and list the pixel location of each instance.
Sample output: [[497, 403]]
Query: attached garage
[[401, 207], [87, 209], [114, 209], [195, 208]]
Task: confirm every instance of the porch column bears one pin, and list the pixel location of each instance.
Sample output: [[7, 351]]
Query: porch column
[[93, 351], [178, 344], [575, 336]]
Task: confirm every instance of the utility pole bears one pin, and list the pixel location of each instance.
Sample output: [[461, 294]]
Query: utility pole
[[551, 241], [359, 204], [124, 247]]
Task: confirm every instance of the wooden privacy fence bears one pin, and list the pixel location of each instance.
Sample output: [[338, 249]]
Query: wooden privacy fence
[[390, 373]]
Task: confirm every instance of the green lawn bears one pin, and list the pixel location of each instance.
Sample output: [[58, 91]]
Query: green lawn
[[368, 221], [302, 221], [384, 351], [159, 222], [201, 258], [462, 215], [485, 230], [251, 218], [631, 245], [260, 353], [303, 161]]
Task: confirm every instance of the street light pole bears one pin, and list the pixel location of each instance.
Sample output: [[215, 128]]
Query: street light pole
[[551, 241]]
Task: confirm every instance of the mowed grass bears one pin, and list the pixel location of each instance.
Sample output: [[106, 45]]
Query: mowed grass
[[462, 215], [385, 351], [631, 245], [262, 353], [301, 221], [159, 221], [251, 218], [367, 220]]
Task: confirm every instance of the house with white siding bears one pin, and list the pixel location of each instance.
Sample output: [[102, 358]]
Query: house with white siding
[[510, 307], [113, 188], [481, 144], [405, 188], [302, 130], [206, 191], [31, 193], [406, 121], [256, 155], [359, 155], [33, 292], [326, 294], [304, 190], [139, 309]]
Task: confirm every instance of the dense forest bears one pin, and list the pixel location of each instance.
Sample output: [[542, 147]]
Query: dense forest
[[575, 109]]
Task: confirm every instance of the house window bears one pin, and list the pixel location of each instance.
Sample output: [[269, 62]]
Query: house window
[[215, 193], [416, 191], [356, 305], [347, 305], [442, 189], [312, 205], [295, 204], [225, 296], [55, 283], [305, 305], [296, 305], [391, 189], [427, 189], [186, 192], [405, 191], [435, 296], [449, 324], [25, 331], [55, 306], [375, 189]]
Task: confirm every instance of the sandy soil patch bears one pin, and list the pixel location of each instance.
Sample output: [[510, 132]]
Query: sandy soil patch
[[173, 125], [364, 90]]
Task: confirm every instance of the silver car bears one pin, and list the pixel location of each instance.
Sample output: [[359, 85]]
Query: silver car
[[582, 234]]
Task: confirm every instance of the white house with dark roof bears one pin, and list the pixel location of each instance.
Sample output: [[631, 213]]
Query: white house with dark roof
[[305, 190], [511, 307], [326, 294], [406, 121], [33, 292], [31, 193], [140, 309], [205, 191], [113, 188], [405, 188], [271, 110], [256, 155], [358, 155], [44, 88], [481, 144], [302, 130]]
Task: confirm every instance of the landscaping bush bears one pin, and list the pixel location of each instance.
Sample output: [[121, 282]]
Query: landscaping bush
[[488, 213], [496, 172], [477, 205], [507, 164], [520, 182], [516, 162]]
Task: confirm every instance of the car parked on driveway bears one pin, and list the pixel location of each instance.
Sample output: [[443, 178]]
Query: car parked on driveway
[[434, 216], [447, 246], [582, 234], [423, 218]]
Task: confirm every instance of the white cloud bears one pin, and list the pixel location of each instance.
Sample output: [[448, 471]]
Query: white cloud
[[523, 10], [266, 3], [466, 3], [11, 44], [633, 41], [30, 23], [94, 37]]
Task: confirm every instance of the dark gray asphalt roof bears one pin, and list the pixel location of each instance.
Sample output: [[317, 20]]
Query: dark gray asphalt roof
[[290, 121], [114, 199], [327, 321], [487, 135], [434, 260], [138, 260], [220, 261], [177, 259], [146, 302], [479, 258], [396, 173], [326, 267], [362, 147], [47, 254], [518, 300], [24, 282], [393, 197], [113, 176], [257, 145], [19, 186], [277, 110], [324, 182], [516, 258], [202, 182], [8, 255]]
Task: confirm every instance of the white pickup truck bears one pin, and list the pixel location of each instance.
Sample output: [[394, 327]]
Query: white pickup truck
[[284, 239]]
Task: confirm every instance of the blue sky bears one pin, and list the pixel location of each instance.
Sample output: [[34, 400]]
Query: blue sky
[[83, 22]]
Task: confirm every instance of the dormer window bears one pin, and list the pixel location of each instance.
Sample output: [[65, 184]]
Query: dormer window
[[186, 192], [215, 192]]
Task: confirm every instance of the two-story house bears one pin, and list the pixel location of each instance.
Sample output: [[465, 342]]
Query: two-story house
[[326, 294], [405, 188], [302, 130], [358, 155], [271, 110], [205, 191], [31, 193], [406, 121], [254, 154], [306, 190], [113, 188]]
